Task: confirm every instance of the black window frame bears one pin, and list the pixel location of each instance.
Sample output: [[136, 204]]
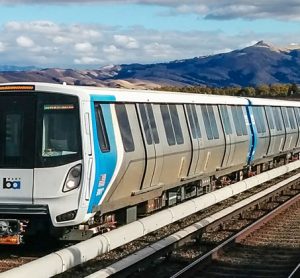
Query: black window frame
[[176, 124], [191, 121], [148, 122], [277, 118], [53, 99], [103, 139], [285, 117], [291, 116], [172, 124], [167, 122], [297, 115], [269, 115], [225, 119], [213, 121], [124, 124], [239, 120], [259, 119]]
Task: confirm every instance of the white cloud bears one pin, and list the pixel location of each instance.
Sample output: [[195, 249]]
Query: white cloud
[[212, 9], [126, 41], [84, 47], [92, 46], [24, 41], [159, 50], [61, 40], [44, 27], [111, 49], [88, 61], [2, 47]]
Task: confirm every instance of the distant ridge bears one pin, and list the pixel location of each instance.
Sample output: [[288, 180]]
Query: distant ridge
[[16, 68], [261, 63]]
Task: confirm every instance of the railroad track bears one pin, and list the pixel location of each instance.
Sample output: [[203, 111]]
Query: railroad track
[[268, 248], [173, 257], [118, 254], [14, 256]]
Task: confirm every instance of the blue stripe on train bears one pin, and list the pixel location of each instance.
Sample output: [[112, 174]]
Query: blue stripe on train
[[254, 135], [105, 163]]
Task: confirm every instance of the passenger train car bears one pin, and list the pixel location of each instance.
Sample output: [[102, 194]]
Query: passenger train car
[[76, 160]]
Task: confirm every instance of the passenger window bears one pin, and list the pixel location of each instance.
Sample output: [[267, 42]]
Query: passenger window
[[225, 119], [213, 122], [236, 122], [205, 116], [149, 124], [291, 117], [285, 117], [145, 124], [297, 113], [191, 120], [196, 120], [176, 124], [125, 127], [259, 119], [270, 117], [101, 129], [152, 123], [241, 119], [277, 118], [167, 124]]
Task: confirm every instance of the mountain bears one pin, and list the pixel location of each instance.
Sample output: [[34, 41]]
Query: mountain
[[16, 68], [261, 63]]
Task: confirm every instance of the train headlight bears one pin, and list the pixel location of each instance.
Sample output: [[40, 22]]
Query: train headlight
[[73, 178]]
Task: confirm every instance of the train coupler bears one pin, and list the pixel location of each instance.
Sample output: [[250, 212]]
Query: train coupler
[[11, 231]]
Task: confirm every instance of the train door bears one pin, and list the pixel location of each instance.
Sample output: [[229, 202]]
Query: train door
[[17, 146], [196, 137], [131, 155], [279, 136], [274, 128], [153, 149], [263, 133], [241, 133], [297, 114], [213, 142], [175, 139], [230, 139], [290, 128]]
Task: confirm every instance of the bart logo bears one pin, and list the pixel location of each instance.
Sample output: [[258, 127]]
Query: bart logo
[[11, 183]]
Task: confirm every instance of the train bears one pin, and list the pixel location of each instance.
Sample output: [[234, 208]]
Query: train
[[78, 160]]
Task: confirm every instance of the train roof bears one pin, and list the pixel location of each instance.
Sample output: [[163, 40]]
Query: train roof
[[274, 102], [130, 95]]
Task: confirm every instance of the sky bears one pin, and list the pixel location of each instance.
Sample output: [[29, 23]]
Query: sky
[[95, 33]]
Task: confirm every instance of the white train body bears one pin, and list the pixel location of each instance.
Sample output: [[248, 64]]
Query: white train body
[[70, 153]]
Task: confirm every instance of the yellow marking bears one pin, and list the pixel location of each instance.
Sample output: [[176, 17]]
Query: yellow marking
[[17, 88], [207, 159]]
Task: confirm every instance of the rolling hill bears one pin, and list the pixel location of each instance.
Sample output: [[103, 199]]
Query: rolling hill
[[257, 64]]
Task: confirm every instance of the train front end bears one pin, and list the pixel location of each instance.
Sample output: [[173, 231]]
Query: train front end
[[41, 161]]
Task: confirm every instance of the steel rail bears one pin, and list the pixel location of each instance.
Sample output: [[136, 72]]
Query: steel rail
[[240, 235], [214, 219]]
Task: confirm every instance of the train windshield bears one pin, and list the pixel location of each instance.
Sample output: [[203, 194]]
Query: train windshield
[[17, 131], [38, 130], [58, 130]]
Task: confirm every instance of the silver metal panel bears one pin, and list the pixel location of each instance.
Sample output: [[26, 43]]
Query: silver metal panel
[[176, 158], [132, 164], [291, 134], [211, 152], [16, 186]]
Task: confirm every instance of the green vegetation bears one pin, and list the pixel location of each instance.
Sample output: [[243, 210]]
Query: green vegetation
[[274, 90]]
